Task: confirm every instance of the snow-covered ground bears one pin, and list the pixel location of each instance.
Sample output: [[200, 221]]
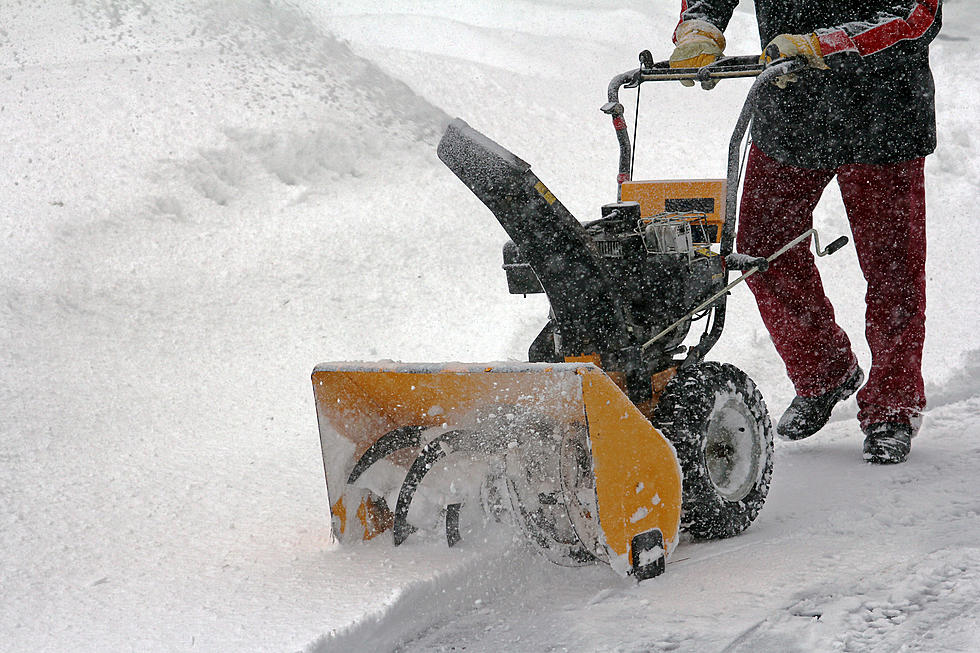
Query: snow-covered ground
[[199, 200]]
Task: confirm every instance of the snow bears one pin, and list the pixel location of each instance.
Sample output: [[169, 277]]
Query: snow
[[201, 200]]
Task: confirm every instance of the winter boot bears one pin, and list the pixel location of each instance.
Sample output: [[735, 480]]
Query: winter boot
[[887, 443], [807, 415]]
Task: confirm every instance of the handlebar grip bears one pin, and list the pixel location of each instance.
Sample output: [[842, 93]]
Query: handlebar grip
[[836, 245]]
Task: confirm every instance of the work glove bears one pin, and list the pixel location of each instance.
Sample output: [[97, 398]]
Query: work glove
[[698, 43], [791, 46]]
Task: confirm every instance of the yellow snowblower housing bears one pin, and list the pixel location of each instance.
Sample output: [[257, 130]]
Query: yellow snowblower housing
[[595, 479]]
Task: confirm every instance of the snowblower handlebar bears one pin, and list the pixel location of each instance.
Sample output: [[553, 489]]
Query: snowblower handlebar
[[724, 68]]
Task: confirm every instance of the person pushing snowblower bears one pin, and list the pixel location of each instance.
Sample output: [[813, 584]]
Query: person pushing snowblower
[[617, 434], [862, 111]]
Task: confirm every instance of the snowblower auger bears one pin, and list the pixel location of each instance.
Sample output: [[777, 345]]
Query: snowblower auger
[[586, 447], [602, 462]]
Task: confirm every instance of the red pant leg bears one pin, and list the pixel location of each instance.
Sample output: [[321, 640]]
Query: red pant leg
[[886, 208], [777, 205]]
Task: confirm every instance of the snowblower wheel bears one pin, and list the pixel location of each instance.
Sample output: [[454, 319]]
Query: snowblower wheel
[[717, 421]]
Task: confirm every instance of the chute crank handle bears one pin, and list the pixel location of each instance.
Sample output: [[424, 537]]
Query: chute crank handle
[[833, 247]]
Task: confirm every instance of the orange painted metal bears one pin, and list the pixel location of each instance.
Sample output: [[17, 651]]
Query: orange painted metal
[[637, 478], [655, 195]]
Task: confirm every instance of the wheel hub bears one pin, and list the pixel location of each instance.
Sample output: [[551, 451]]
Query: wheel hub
[[732, 453]]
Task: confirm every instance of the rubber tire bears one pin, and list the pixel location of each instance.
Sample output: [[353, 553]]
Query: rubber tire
[[683, 415]]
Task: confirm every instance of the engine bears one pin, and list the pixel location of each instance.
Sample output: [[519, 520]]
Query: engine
[[662, 266]]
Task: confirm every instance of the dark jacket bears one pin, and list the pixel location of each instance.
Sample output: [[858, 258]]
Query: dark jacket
[[877, 102]]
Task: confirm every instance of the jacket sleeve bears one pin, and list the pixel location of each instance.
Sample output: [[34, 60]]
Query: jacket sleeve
[[716, 12], [906, 20]]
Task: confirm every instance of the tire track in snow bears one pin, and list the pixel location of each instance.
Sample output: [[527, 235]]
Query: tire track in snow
[[890, 612], [428, 606]]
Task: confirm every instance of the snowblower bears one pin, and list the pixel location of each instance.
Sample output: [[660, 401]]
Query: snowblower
[[615, 435]]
